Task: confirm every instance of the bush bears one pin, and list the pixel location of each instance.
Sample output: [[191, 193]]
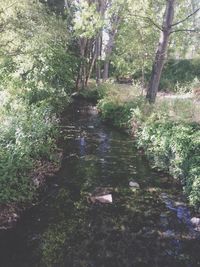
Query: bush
[[27, 134], [175, 148], [167, 131], [115, 103], [179, 75], [181, 72], [37, 75]]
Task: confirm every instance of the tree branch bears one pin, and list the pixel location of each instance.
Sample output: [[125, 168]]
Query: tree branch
[[151, 20], [185, 30], [181, 21], [155, 24]]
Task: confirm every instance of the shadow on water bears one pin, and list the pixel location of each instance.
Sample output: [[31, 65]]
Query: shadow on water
[[146, 227]]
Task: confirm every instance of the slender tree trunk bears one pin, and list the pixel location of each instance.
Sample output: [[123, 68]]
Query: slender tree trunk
[[106, 70], [92, 62], [98, 56], [95, 60], [97, 46], [109, 47], [101, 8], [108, 52], [90, 55], [195, 26], [80, 83], [161, 51]]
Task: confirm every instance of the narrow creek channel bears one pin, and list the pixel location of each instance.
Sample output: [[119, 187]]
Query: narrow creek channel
[[150, 226]]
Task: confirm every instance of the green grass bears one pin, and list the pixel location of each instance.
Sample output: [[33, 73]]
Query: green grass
[[169, 131]]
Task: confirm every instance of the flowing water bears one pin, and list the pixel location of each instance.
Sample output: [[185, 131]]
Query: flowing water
[[149, 226]]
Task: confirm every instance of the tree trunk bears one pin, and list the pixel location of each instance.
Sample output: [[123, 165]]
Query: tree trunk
[[95, 47], [92, 62], [98, 56], [80, 83], [106, 70], [161, 51], [115, 22], [108, 52], [101, 8]]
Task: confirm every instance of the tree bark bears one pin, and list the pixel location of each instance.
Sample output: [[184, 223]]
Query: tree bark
[[80, 83], [101, 8], [98, 56], [161, 51], [102, 5], [108, 52]]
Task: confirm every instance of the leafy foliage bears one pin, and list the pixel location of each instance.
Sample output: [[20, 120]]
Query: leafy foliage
[[37, 74], [167, 132], [180, 75], [174, 148], [24, 138], [116, 107]]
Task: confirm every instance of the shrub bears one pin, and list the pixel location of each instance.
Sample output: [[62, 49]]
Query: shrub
[[27, 134], [175, 148], [116, 104], [36, 79], [167, 131], [179, 75]]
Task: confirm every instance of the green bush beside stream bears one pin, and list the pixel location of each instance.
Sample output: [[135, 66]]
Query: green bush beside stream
[[167, 131], [34, 89]]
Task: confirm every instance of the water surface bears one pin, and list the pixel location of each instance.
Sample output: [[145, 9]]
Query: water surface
[[146, 227]]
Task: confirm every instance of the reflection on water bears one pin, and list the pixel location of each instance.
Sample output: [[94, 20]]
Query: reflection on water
[[144, 227]]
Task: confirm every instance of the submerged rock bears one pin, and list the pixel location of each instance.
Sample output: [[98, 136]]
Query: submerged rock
[[75, 94], [101, 195], [90, 127], [195, 222], [101, 199], [134, 185], [168, 234], [152, 189]]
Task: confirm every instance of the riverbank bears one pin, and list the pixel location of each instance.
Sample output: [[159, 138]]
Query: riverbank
[[43, 170], [29, 155], [168, 132]]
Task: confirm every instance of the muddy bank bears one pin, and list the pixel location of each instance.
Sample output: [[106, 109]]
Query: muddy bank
[[42, 171]]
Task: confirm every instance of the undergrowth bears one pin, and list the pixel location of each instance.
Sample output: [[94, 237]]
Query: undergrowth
[[37, 75], [27, 134], [169, 131]]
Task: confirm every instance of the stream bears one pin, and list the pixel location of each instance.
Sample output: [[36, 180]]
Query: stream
[[147, 226]]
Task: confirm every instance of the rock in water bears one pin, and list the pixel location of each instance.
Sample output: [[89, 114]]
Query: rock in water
[[195, 221], [134, 185], [102, 199], [168, 234]]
